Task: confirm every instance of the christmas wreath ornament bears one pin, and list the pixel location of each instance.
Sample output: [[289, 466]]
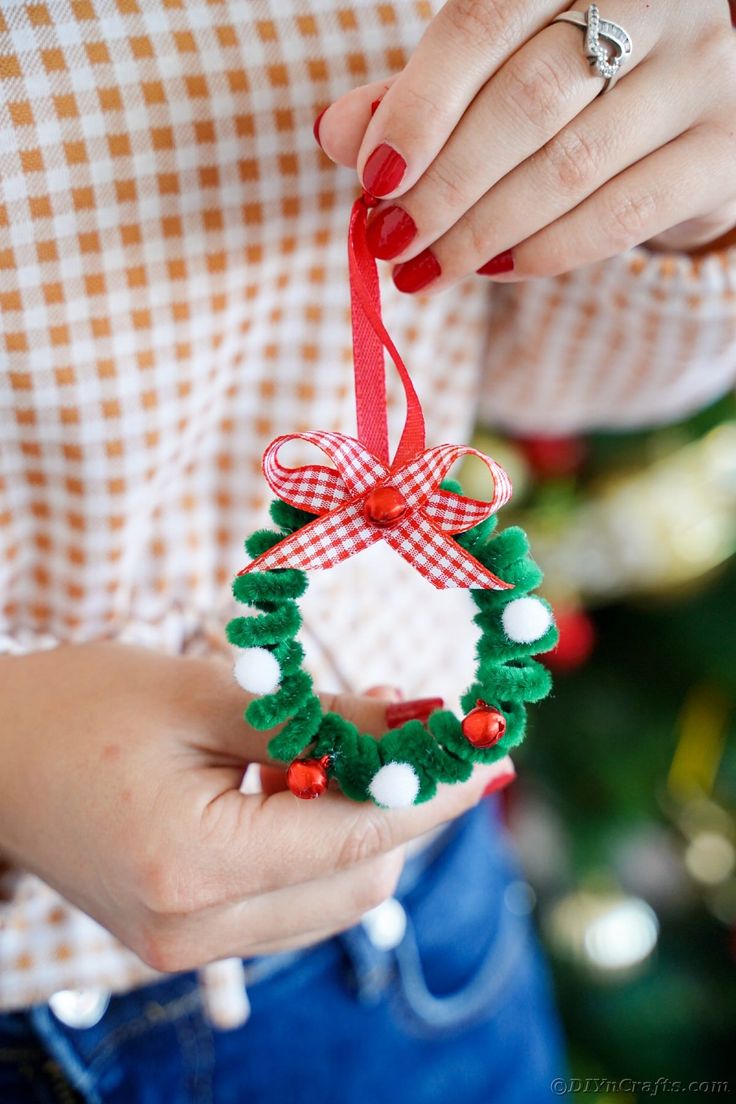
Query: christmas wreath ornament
[[323, 515]]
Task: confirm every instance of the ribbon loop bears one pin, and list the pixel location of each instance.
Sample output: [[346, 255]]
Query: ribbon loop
[[419, 483], [453, 513], [315, 487], [370, 338]]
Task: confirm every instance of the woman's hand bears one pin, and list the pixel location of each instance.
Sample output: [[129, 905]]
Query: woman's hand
[[120, 788], [494, 152]]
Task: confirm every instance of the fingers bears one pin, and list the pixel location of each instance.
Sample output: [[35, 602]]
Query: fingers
[[544, 86], [681, 180], [289, 916], [257, 844], [462, 47], [339, 129], [285, 918], [493, 133], [699, 233], [608, 136]]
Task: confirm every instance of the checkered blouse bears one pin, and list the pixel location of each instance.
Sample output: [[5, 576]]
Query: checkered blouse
[[173, 294]]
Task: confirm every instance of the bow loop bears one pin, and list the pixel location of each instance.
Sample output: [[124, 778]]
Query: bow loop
[[454, 513], [315, 487], [419, 483]]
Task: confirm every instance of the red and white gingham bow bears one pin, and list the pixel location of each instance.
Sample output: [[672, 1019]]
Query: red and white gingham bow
[[429, 515], [339, 496]]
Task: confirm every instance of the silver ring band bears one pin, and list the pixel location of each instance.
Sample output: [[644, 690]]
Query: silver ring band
[[608, 59]]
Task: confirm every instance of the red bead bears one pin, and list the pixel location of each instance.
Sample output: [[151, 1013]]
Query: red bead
[[483, 726], [385, 505], [307, 778]]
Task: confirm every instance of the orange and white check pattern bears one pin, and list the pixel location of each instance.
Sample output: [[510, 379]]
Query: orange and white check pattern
[[174, 294]]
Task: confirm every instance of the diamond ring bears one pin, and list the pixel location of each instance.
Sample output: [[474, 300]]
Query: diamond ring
[[607, 45]]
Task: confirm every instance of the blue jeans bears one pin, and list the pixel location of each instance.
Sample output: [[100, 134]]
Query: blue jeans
[[460, 1011]]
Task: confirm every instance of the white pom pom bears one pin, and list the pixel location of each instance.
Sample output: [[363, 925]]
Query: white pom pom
[[526, 619], [394, 786], [257, 670]]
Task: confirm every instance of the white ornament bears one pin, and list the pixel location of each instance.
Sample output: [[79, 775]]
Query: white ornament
[[394, 786], [526, 619], [257, 670]]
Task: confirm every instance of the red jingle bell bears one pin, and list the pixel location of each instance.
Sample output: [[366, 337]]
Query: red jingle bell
[[307, 778], [483, 726], [385, 505]]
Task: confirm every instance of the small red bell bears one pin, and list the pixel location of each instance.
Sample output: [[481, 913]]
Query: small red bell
[[483, 726], [307, 778], [385, 505]]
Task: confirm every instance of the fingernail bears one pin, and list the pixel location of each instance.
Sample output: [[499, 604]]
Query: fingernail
[[389, 232], [375, 105], [502, 262], [383, 170], [315, 128], [415, 274], [500, 782], [398, 713]]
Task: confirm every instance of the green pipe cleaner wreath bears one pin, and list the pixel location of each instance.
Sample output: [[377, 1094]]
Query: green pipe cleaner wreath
[[506, 675]]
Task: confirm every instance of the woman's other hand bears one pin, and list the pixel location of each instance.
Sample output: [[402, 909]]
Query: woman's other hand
[[494, 152], [120, 784]]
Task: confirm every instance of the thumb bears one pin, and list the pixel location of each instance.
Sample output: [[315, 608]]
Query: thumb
[[340, 128]]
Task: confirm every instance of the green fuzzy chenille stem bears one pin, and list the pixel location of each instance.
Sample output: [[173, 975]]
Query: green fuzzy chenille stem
[[274, 709], [269, 586], [273, 592], [413, 744], [506, 677], [356, 756], [298, 732], [289, 518], [265, 628], [260, 541]]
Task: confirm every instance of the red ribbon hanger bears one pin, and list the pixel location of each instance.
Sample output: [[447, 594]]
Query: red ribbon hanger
[[367, 496]]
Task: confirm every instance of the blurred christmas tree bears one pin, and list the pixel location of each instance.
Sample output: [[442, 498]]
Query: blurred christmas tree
[[625, 818]]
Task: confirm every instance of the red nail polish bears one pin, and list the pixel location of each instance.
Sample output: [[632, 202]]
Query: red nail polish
[[375, 106], [502, 262], [415, 274], [398, 713], [500, 782], [383, 170], [389, 232], [315, 128]]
